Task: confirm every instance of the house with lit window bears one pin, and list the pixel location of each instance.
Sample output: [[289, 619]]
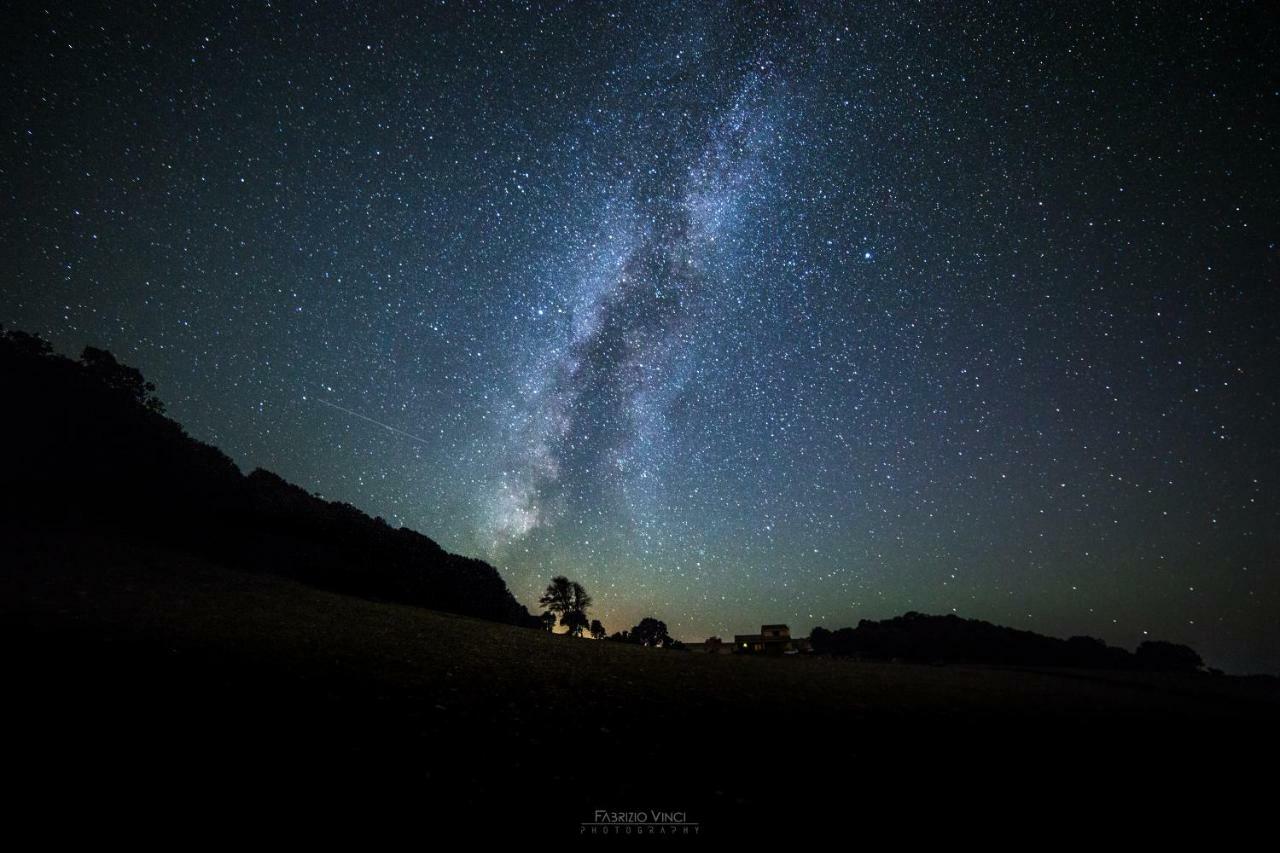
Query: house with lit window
[[772, 640]]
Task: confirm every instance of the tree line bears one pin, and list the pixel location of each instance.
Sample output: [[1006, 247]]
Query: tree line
[[86, 445], [566, 604], [950, 639]]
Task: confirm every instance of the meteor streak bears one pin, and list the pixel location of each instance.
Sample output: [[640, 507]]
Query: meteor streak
[[355, 414]]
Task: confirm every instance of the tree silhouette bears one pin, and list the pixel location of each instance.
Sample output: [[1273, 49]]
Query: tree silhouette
[[23, 344], [548, 620], [570, 601], [121, 378], [575, 621], [651, 632], [597, 630], [558, 597], [1161, 656]]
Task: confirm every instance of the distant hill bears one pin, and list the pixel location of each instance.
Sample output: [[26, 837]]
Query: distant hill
[[86, 444], [923, 638]]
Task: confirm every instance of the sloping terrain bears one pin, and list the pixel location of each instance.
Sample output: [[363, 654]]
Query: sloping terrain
[[87, 440], [144, 676]]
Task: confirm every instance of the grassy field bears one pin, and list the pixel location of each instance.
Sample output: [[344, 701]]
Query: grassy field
[[148, 678]]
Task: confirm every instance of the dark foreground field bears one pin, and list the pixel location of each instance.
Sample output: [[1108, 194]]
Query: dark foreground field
[[154, 687]]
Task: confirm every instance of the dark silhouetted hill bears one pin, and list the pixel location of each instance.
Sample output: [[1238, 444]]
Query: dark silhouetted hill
[[85, 444], [921, 638]]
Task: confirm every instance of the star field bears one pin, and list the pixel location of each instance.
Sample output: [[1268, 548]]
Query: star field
[[735, 313]]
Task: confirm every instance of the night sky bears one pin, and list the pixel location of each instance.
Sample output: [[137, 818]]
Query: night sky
[[735, 314]]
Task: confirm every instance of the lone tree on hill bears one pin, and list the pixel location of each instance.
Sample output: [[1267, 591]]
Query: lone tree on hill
[[570, 601], [597, 630]]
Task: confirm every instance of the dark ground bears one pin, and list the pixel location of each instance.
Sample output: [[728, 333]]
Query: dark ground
[[147, 687]]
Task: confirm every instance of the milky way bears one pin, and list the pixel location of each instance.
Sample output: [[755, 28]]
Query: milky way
[[597, 399], [736, 313]]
